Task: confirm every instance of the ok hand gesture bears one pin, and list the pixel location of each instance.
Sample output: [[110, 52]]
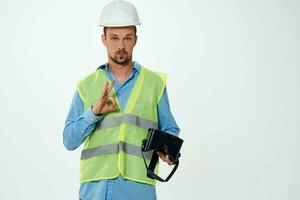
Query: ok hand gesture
[[105, 103]]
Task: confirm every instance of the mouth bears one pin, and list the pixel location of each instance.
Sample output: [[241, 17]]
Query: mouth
[[121, 53]]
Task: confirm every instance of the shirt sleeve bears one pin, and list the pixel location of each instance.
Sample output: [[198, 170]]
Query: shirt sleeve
[[79, 123], [166, 121]]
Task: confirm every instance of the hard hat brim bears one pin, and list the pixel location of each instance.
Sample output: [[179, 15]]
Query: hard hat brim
[[119, 25]]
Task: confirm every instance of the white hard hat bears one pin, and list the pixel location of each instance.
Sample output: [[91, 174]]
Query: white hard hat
[[119, 13]]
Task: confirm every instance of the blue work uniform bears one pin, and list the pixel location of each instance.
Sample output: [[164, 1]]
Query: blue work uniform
[[79, 124]]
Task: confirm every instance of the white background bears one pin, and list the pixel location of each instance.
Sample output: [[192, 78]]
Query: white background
[[233, 86]]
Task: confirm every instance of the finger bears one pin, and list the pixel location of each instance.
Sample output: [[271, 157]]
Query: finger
[[104, 91], [111, 101], [111, 85], [170, 163], [161, 155], [169, 160], [115, 106], [158, 153]]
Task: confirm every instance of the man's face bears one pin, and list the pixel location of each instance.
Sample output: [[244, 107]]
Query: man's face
[[119, 42]]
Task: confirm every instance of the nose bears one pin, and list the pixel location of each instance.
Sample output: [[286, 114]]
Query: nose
[[121, 49], [121, 45]]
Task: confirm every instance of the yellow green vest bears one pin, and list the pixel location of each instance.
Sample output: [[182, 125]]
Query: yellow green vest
[[114, 146]]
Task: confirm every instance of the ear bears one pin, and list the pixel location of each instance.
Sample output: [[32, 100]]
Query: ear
[[103, 38], [136, 38]]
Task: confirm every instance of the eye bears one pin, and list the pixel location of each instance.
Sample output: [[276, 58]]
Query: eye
[[114, 38], [127, 38]]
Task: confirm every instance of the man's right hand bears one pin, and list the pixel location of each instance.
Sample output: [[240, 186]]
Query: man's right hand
[[105, 103]]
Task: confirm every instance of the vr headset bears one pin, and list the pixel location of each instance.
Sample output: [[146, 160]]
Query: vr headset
[[162, 142]]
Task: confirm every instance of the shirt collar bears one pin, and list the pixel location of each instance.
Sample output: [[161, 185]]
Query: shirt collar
[[136, 66]]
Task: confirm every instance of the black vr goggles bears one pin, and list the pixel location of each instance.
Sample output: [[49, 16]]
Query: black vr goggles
[[165, 143]]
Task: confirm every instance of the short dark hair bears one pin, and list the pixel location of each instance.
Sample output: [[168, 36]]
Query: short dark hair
[[104, 30]]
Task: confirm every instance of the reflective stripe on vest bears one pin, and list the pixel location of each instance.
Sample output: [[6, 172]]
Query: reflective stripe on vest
[[127, 119], [114, 148]]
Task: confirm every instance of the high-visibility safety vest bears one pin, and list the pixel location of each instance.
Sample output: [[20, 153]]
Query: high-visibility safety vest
[[114, 146]]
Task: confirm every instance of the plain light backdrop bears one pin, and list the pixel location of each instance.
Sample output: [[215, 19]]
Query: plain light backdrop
[[234, 89]]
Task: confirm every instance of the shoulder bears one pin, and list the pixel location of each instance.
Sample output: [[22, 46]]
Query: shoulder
[[154, 73], [89, 77]]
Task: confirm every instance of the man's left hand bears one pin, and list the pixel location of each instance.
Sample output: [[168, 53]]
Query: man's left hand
[[165, 158]]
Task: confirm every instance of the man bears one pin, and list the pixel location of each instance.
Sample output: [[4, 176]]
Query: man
[[111, 112]]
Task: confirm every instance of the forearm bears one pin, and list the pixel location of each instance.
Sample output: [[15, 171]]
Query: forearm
[[76, 131]]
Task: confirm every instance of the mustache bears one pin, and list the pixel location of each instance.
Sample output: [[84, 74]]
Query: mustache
[[122, 51]]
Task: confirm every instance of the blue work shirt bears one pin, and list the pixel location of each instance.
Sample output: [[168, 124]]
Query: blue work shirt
[[79, 124]]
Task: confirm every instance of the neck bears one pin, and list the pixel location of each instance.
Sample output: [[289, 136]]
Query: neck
[[120, 71]]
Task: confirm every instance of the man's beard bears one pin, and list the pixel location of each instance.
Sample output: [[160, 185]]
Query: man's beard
[[123, 61]]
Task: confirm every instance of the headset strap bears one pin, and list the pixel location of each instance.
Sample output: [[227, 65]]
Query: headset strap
[[150, 169]]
